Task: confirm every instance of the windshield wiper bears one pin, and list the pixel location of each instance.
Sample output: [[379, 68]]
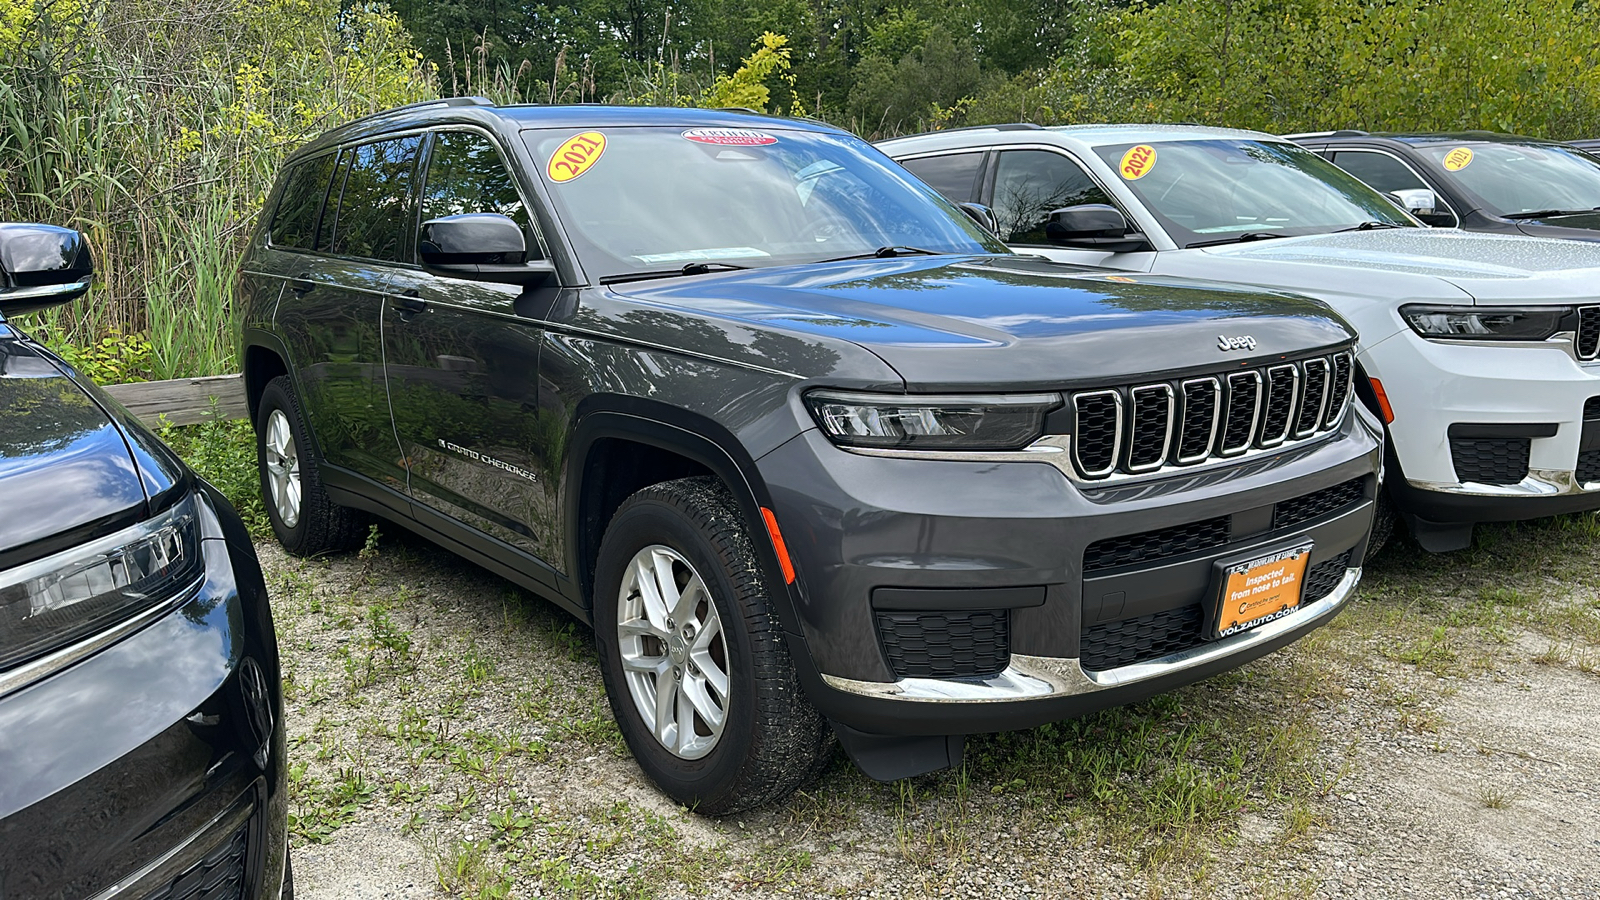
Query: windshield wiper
[[694, 268], [1244, 238], [1547, 213], [887, 253], [1367, 226]]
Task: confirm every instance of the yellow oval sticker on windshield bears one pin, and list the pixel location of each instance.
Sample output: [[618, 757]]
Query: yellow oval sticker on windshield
[[1138, 162], [1458, 159], [576, 155]]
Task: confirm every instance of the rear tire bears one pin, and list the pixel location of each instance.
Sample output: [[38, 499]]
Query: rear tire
[[681, 606], [306, 521]]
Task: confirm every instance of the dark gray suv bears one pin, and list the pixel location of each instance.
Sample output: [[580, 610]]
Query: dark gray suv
[[807, 447]]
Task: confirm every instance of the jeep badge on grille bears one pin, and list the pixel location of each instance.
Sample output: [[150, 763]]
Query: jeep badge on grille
[[1242, 342]]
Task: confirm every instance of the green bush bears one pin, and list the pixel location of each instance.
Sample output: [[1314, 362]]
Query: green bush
[[224, 453]]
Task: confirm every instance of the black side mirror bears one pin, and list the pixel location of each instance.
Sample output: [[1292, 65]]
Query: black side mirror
[[1093, 226], [482, 247], [42, 266], [983, 215]]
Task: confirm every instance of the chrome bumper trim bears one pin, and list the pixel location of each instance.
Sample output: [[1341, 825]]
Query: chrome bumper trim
[[1038, 677], [1538, 483]]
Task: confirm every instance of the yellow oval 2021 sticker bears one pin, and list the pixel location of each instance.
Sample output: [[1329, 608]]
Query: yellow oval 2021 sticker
[[576, 155], [1137, 162], [1458, 159]]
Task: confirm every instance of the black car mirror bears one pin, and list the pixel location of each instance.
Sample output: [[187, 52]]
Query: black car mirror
[[482, 247], [1093, 226], [983, 215], [42, 266]]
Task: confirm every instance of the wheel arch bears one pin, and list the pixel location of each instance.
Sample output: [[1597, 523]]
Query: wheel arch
[[263, 359]]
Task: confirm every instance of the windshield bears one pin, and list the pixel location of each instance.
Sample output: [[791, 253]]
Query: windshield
[[1519, 178], [652, 199], [1215, 191]]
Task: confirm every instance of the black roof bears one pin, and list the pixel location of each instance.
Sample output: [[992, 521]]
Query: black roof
[[486, 112]]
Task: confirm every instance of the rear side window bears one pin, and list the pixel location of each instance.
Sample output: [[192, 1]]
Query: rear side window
[[467, 175], [1030, 184], [1378, 170], [375, 202], [294, 223], [954, 175]]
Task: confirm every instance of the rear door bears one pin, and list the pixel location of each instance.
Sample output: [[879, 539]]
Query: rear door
[[329, 310], [462, 365]]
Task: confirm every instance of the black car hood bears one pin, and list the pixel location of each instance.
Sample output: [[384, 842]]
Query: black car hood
[[66, 471], [1011, 321]]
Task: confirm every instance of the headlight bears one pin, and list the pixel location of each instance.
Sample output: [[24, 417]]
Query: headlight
[[1485, 323], [929, 422], [63, 598]]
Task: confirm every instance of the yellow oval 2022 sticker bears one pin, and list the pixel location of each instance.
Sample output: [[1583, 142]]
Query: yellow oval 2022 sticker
[[1458, 159], [1137, 162], [576, 155]]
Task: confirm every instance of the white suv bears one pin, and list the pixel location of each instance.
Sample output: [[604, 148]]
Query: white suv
[[1478, 350]]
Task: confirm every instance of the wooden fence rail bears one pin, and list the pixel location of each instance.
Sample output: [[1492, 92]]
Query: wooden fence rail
[[184, 401]]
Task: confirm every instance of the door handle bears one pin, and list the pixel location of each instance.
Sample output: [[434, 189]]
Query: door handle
[[409, 304], [302, 284]]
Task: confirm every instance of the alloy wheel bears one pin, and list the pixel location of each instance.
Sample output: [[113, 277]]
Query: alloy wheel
[[673, 651], [283, 469]]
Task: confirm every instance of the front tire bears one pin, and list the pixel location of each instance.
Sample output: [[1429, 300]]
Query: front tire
[[306, 521], [693, 656]]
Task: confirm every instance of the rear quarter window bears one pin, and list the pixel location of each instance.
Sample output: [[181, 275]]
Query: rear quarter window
[[294, 222]]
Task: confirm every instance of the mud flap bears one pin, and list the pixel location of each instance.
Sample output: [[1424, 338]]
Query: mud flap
[[884, 757]]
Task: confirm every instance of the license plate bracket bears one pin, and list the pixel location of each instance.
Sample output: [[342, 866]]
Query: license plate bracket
[[1252, 589]]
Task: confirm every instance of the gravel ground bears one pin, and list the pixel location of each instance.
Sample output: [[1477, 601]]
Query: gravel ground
[[450, 737]]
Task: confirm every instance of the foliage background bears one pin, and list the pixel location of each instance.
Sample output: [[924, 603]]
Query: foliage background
[[156, 127]]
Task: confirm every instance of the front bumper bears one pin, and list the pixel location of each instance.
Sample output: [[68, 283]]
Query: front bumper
[[135, 771], [1534, 395], [859, 527]]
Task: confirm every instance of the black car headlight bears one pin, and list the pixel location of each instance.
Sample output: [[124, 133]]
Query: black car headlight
[[1485, 323], [931, 422], [65, 597]]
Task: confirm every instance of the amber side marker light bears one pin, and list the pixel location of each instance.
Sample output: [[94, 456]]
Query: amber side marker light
[[1383, 401], [778, 545]]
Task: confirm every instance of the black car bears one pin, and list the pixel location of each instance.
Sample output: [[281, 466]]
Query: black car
[[141, 736], [806, 446], [1476, 180]]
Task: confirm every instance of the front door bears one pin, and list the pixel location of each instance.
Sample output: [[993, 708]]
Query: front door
[[462, 367]]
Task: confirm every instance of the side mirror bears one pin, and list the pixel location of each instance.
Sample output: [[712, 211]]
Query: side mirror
[[42, 266], [482, 247], [1094, 226], [1417, 201], [983, 215]]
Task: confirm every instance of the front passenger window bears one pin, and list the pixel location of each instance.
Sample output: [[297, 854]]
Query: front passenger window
[[467, 175], [1381, 172], [1030, 184]]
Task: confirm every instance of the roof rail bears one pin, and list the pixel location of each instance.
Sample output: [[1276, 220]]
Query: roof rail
[[426, 104], [1008, 126], [1343, 132]]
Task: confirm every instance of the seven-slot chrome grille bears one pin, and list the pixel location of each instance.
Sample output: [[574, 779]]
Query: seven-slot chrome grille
[[1149, 427], [1586, 342]]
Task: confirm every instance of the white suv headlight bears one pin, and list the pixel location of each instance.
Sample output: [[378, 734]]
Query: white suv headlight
[[1486, 323]]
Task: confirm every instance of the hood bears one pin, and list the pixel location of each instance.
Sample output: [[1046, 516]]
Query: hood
[[1012, 322], [1491, 268], [65, 471]]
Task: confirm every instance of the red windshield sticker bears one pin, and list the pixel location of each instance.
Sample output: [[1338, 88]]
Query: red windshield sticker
[[730, 137]]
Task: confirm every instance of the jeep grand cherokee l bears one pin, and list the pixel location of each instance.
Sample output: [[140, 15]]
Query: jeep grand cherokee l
[[810, 451], [141, 727], [1482, 352]]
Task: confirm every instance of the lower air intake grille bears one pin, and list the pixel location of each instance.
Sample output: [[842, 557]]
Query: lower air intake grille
[[946, 644], [1124, 643], [1160, 544], [1318, 503], [1591, 408], [219, 876], [1490, 460], [1115, 644], [1588, 466], [1587, 341]]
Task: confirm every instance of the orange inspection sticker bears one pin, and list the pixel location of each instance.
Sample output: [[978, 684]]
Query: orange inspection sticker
[[576, 155], [1458, 159], [1138, 162]]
